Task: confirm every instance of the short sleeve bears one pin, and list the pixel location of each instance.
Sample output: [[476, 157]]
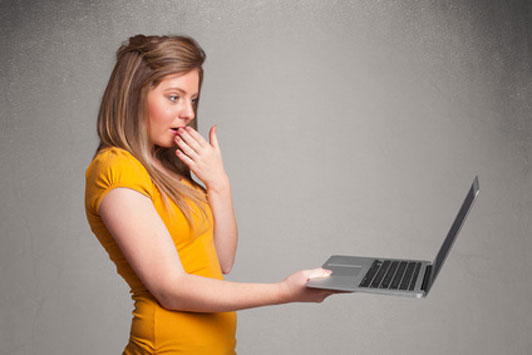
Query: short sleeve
[[111, 168]]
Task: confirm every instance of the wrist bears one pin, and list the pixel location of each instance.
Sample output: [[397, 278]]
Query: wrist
[[221, 185], [282, 293]]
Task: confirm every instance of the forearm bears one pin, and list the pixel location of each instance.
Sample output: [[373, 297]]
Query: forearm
[[225, 227], [195, 293]]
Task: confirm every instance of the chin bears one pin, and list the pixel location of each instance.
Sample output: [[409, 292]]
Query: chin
[[166, 144]]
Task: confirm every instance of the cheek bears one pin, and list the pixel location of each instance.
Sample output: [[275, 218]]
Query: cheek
[[158, 113]]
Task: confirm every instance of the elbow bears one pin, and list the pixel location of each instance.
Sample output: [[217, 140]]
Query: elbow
[[226, 268], [169, 296], [166, 300], [226, 264]]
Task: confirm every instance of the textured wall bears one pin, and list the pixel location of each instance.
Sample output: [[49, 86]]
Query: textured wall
[[346, 127]]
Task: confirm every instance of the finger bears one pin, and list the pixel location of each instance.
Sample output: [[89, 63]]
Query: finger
[[324, 297], [212, 137], [328, 270], [195, 134], [341, 291], [185, 134], [198, 137], [319, 272], [186, 149], [184, 158]]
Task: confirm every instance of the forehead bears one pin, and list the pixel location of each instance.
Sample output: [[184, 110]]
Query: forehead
[[188, 82]]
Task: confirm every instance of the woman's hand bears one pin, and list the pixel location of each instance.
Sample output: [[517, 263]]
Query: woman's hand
[[202, 157], [293, 288]]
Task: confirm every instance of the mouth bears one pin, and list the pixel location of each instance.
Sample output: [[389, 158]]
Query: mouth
[[174, 129]]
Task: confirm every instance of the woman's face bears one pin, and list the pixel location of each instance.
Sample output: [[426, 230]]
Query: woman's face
[[170, 106]]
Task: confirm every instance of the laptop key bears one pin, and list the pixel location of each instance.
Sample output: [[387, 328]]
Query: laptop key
[[414, 278], [398, 275], [388, 277], [408, 275], [380, 274], [366, 281]]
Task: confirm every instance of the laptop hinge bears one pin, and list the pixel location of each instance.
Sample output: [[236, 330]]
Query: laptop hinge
[[426, 278]]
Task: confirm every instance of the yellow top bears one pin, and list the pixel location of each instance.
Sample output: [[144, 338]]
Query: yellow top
[[155, 330]]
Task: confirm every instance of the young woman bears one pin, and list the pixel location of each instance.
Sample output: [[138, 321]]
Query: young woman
[[170, 238]]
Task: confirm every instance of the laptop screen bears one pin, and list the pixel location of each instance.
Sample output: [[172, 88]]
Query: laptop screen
[[453, 232]]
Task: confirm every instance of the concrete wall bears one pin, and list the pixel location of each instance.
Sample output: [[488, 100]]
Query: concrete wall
[[346, 127]]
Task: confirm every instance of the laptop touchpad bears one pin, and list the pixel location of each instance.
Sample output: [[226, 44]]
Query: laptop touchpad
[[344, 270]]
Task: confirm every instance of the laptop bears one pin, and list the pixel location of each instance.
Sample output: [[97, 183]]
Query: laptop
[[398, 277]]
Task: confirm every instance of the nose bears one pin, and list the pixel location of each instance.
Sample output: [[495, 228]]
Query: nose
[[186, 112]]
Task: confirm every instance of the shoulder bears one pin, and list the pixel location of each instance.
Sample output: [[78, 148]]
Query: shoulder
[[114, 157], [115, 167], [116, 163]]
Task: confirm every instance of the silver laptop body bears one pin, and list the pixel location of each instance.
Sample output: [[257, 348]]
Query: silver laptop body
[[398, 277]]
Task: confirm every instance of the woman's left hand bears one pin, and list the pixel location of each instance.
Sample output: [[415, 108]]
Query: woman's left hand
[[202, 157]]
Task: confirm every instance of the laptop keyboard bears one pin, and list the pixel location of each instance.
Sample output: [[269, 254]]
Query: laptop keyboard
[[392, 275]]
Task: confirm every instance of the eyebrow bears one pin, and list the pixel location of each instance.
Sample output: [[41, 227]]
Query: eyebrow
[[178, 89]]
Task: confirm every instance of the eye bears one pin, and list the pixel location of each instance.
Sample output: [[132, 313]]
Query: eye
[[194, 101], [173, 98]]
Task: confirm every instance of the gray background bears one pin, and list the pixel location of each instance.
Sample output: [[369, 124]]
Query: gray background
[[346, 127]]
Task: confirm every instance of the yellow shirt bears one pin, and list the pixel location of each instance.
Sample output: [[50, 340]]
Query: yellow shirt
[[155, 330]]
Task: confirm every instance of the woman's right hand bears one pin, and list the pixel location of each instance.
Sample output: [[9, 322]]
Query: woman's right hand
[[293, 288]]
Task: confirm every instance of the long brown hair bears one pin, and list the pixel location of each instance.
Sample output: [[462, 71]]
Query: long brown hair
[[141, 64]]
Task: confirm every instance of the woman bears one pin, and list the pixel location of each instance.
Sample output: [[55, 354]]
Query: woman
[[170, 238]]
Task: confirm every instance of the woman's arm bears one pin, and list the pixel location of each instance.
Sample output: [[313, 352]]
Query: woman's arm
[[205, 160], [148, 247]]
